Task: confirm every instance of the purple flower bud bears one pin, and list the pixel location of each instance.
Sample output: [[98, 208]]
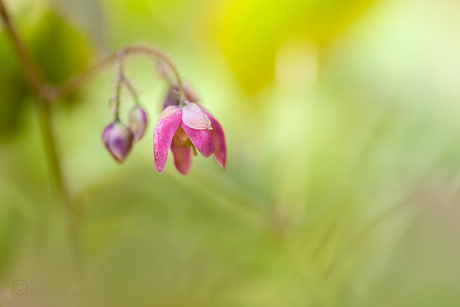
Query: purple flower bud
[[173, 97], [118, 140], [137, 122]]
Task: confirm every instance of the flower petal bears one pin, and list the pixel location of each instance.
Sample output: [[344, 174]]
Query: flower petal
[[182, 158], [201, 139], [170, 119], [220, 155], [194, 117]]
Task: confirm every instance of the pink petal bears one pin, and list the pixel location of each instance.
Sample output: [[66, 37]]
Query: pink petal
[[201, 139], [194, 117], [182, 158], [170, 119], [220, 155]]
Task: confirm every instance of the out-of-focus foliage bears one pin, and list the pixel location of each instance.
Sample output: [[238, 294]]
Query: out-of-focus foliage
[[60, 51], [14, 90], [251, 32], [342, 184]]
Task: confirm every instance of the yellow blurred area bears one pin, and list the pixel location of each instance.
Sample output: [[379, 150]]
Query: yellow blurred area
[[342, 183]]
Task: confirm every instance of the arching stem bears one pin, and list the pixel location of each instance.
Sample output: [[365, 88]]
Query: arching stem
[[39, 88], [132, 90], [76, 82]]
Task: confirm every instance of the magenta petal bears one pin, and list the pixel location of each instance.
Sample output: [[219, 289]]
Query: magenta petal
[[201, 139], [220, 155], [182, 158], [167, 125]]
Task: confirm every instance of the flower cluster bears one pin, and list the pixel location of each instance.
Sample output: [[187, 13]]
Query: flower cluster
[[118, 138], [184, 127]]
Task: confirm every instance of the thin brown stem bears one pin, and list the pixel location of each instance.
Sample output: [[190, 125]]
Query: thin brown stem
[[132, 90], [32, 73], [119, 81], [46, 119], [38, 85]]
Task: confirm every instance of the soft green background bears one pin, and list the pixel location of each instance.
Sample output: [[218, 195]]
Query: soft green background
[[342, 185]]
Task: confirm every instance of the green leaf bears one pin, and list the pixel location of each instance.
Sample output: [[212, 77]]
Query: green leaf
[[13, 89], [59, 49]]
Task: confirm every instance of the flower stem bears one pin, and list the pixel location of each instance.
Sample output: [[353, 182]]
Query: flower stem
[[46, 119], [38, 85], [119, 81], [31, 71], [78, 81], [131, 89]]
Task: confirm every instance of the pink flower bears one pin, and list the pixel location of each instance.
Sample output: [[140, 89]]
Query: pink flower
[[184, 128]]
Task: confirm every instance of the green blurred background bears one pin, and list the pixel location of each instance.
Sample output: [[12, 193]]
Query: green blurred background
[[342, 185]]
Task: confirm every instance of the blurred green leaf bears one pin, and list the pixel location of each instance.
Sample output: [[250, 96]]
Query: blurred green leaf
[[11, 228], [13, 89], [60, 50]]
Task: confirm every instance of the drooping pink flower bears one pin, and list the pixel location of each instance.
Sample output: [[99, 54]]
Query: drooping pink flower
[[184, 128]]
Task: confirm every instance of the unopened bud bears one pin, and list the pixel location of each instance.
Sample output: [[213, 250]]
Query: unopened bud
[[137, 122], [118, 140], [173, 97]]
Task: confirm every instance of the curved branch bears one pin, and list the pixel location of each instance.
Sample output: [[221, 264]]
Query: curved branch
[[132, 90], [76, 82], [32, 73]]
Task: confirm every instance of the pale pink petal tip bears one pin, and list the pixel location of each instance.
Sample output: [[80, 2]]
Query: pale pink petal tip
[[194, 117]]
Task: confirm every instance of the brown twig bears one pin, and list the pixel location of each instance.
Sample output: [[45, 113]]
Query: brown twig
[[38, 84], [32, 73]]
